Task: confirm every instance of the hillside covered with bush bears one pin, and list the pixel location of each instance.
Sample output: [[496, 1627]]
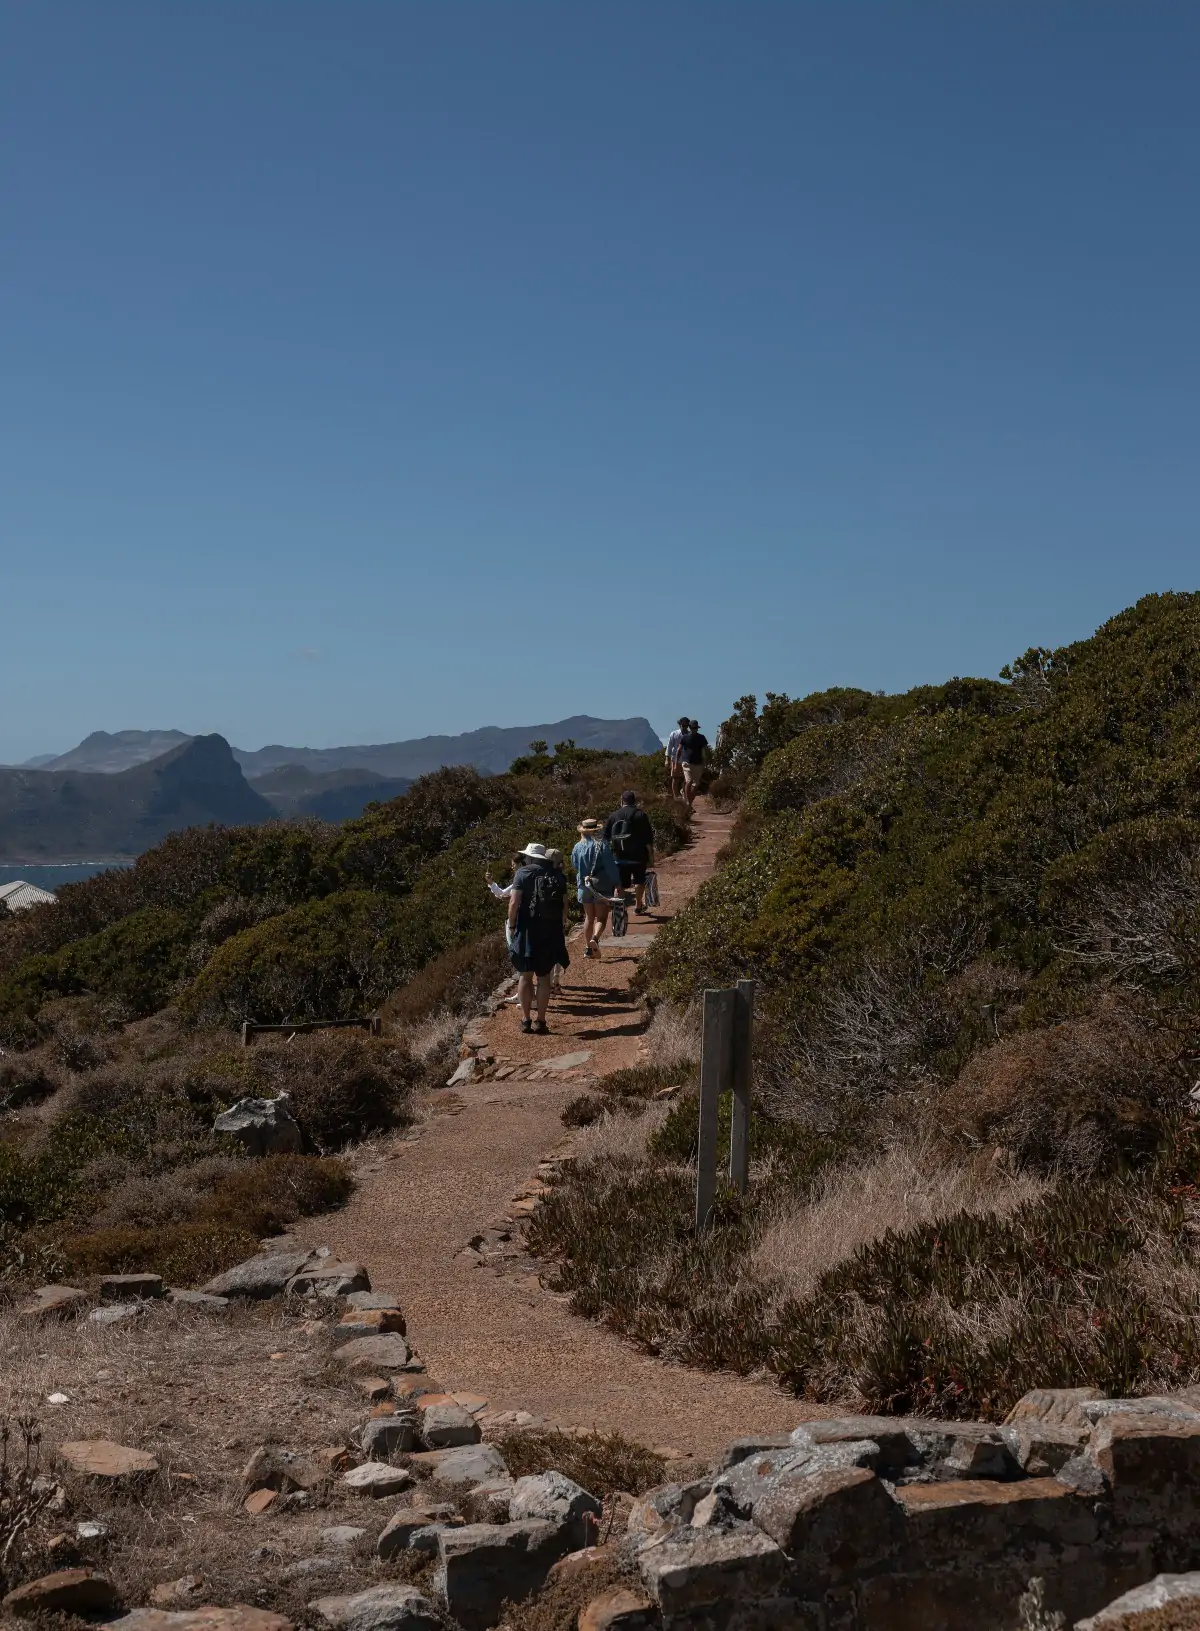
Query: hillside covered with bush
[[973, 911], [118, 1007]]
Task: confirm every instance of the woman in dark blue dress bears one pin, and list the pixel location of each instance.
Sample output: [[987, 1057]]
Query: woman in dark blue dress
[[536, 938]]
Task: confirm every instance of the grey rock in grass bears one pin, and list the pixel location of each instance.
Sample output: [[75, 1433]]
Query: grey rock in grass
[[305, 1567], [483, 1565], [264, 1275], [467, 1465], [410, 1530], [1156, 1593], [384, 1435], [742, 1448], [365, 1301], [559, 1500], [377, 1479], [325, 1279], [202, 1301], [341, 1536], [114, 1313], [443, 1426], [393, 1607], [1053, 1406], [122, 1288], [379, 1353], [262, 1126], [694, 1573]]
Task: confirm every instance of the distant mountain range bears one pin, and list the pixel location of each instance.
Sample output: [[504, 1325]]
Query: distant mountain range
[[119, 793], [491, 750], [64, 815]]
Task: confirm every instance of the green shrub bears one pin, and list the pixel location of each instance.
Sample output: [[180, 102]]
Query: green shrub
[[456, 981]]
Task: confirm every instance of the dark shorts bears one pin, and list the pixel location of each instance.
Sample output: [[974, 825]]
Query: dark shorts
[[538, 953], [632, 872]]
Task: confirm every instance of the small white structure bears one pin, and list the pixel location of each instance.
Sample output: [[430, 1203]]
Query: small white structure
[[19, 895]]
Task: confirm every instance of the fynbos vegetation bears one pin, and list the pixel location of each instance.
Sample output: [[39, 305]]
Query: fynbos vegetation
[[974, 916]]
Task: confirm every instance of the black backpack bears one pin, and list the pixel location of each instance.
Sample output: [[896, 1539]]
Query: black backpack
[[547, 895], [622, 831]]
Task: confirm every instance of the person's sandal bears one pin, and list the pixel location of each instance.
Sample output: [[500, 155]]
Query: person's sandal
[[527, 1026], [541, 1028]]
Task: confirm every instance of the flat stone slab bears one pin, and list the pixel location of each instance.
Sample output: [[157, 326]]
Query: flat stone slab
[[467, 1464], [201, 1300], [366, 1300], [394, 1607], [389, 1351], [52, 1302], [377, 1479], [101, 1458], [123, 1288], [237, 1617], [262, 1276], [567, 1061]]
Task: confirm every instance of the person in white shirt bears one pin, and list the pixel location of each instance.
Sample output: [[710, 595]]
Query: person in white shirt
[[674, 761]]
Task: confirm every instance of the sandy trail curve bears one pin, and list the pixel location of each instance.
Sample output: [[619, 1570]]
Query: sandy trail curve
[[421, 1200]]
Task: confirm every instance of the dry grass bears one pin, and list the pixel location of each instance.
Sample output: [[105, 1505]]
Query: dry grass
[[904, 1187], [200, 1392], [619, 1134], [673, 1036]]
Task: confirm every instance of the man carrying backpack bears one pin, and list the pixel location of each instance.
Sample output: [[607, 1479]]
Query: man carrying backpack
[[631, 835], [536, 941], [692, 750]]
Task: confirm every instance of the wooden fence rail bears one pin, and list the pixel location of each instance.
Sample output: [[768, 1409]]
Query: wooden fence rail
[[726, 1058], [251, 1029]]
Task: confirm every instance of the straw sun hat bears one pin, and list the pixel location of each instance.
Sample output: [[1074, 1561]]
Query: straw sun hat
[[589, 825]]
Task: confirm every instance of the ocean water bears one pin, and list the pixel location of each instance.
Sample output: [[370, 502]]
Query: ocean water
[[53, 877]]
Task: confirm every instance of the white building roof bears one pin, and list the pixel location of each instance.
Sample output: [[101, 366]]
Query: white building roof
[[17, 896]]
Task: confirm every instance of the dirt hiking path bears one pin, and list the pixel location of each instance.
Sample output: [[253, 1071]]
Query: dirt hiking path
[[488, 1326]]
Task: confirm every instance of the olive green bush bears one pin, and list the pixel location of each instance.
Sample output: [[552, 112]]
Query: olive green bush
[[973, 913]]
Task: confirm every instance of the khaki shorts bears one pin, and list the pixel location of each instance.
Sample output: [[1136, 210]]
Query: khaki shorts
[[691, 773]]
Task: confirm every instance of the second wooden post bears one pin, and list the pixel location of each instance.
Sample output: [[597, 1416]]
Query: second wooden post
[[716, 1058]]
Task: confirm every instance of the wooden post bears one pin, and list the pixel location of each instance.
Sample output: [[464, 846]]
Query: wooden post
[[743, 1053], [246, 1033], [715, 1073]]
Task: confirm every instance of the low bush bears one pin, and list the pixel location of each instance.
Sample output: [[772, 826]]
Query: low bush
[[601, 1463], [342, 1085], [625, 1092], [457, 981]]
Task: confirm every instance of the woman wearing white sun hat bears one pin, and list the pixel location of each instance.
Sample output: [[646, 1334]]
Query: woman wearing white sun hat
[[536, 941]]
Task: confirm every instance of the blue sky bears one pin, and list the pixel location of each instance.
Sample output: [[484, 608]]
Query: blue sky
[[376, 369]]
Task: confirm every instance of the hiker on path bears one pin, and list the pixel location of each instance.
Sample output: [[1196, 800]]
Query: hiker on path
[[692, 749], [674, 763], [599, 877], [631, 835], [536, 941]]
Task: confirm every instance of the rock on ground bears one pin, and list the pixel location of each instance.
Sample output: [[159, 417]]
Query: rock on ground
[[469, 1464], [379, 1608], [377, 1478], [237, 1617], [483, 1565], [262, 1126], [618, 1610], [1156, 1593], [101, 1458], [67, 1591], [264, 1275]]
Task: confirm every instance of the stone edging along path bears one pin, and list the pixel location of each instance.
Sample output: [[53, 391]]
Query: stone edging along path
[[482, 1319]]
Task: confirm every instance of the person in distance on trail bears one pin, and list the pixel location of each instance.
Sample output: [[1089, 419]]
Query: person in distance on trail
[[536, 941], [674, 764], [631, 835], [692, 749], [598, 878]]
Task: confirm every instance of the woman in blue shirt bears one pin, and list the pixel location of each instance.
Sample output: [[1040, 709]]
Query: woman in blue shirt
[[593, 859]]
